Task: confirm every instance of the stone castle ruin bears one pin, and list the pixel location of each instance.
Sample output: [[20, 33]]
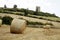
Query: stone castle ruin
[[37, 9]]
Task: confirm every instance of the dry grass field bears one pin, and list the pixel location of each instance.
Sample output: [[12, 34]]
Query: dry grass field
[[56, 24], [30, 33]]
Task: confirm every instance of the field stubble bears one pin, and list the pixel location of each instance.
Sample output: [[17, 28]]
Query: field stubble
[[30, 34]]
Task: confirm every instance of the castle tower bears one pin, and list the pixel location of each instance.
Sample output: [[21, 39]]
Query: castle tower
[[37, 9]]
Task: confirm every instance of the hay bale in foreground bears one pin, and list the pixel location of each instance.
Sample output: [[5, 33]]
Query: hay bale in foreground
[[17, 26], [0, 22]]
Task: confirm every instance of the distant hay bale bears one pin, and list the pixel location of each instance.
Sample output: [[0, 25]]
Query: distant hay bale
[[17, 26], [47, 26], [0, 22]]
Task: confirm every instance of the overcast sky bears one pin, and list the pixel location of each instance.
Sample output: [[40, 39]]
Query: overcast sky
[[51, 6]]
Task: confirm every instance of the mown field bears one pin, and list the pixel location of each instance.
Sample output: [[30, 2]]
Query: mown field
[[30, 19], [31, 33], [46, 18]]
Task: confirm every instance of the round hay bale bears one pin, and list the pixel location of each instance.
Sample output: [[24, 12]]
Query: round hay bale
[[47, 26], [0, 22], [17, 26]]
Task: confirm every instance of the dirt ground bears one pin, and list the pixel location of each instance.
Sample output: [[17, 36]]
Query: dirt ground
[[30, 34]]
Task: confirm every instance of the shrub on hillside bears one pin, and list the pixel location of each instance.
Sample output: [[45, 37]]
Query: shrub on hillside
[[48, 23], [40, 18], [7, 20], [0, 17], [57, 21], [34, 23], [32, 16]]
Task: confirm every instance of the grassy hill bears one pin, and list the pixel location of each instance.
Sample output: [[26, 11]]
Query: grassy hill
[[25, 12], [33, 21], [30, 13], [32, 32]]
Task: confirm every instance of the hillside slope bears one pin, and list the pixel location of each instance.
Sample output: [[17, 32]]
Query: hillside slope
[[56, 24], [29, 34]]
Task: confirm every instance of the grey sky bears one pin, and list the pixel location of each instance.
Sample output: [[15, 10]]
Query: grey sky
[[51, 6]]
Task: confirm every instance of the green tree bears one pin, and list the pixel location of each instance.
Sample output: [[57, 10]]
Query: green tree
[[15, 6], [7, 20], [26, 12]]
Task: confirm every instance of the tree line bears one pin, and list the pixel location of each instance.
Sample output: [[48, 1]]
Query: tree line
[[5, 9]]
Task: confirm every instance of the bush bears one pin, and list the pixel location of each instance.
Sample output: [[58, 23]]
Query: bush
[[32, 16], [0, 17], [7, 20], [57, 21], [40, 18], [34, 23], [49, 23]]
